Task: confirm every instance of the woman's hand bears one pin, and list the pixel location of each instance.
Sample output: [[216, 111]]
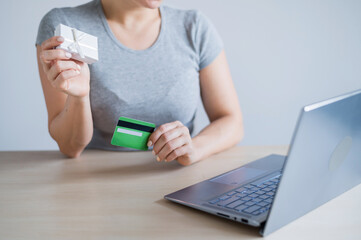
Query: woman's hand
[[172, 141], [68, 76]]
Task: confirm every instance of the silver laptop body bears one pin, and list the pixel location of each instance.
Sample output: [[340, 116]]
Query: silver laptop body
[[324, 160]]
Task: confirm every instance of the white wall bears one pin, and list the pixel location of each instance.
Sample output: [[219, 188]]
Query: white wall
[[282, 54]]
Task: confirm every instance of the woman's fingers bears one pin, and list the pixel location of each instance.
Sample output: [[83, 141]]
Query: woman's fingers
[[168, 141], [62, 81], [52, 43], [60, 66], [171, 146], [161, 130], [64, 74], [56, 54], [49, 45], [166, 137], [178, 153]]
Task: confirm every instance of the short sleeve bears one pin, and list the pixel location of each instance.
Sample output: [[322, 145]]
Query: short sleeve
[[47, 26], [207, 41]]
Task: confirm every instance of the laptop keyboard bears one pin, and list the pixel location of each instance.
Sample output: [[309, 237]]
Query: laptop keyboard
[[254, 198]]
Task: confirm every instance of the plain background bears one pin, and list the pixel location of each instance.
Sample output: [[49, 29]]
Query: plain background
[[282, 54]]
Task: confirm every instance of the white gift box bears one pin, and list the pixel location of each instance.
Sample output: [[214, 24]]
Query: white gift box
[[82, 46]]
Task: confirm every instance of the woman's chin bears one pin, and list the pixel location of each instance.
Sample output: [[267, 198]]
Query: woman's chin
[[153, 4]]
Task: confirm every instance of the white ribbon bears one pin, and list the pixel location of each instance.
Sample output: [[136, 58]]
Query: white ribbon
[[75, 47]]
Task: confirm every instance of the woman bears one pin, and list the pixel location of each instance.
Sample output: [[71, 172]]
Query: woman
[[154, 64]]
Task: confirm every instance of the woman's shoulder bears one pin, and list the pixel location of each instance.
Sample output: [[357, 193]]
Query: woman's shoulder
[[184, 16], [78, 17], [197, 31], [180, 12], [70, 14]]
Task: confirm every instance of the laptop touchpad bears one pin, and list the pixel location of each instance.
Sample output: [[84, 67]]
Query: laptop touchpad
[[238, 176]]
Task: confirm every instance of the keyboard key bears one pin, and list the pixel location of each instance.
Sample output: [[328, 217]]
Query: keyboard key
[[264, 182], [248, 186], [254, 189], [256, 212], [263, 204], [214, 201], [241, 207], [231, 193], [268, 200], [224, 198], [251, 209], [263, 209], [229, 200], [239, 190], [253, 195], [264, 196], [246, 198], [260, 192], [258, 182], [235, 204], [248, 191], [241, 195], [249, 203], [270, 193], [258, 199], [267, 189]]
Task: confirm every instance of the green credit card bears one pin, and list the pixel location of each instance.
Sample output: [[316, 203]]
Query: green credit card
[[132, 133]]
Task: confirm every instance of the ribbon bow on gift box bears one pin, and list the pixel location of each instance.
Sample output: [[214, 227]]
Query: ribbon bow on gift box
[[75, 47], [83, 46]]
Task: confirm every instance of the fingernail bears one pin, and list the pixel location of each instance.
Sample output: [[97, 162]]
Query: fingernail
[[60, 39], [158, 159], [77, 72], [149, 143], [68, 54], [153, 152], [78, 66]]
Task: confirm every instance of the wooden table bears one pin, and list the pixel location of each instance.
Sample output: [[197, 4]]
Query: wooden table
[[119, 195]]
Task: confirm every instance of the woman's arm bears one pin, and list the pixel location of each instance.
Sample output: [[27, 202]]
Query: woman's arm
[[221, 104], [66, 90], [172, 140]]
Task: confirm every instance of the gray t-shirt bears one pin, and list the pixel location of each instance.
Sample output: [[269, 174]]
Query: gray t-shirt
[[159, 84]]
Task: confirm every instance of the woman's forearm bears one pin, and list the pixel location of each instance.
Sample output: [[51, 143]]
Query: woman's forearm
[[72, 128], [221, 134]]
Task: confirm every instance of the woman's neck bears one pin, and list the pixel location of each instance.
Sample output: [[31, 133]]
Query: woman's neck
[[128, 13]]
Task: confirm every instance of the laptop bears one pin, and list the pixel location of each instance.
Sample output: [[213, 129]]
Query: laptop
[[323, 161]]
